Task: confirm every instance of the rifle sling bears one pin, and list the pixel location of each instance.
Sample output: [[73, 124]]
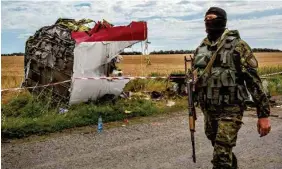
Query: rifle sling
[[209, 66]]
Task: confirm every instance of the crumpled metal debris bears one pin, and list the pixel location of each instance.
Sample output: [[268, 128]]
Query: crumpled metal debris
[[49, 58]]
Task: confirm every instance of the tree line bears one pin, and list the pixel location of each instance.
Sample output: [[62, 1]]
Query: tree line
[[192, 51], [265, 50], [13, 54], [162, 52], [131, 53]]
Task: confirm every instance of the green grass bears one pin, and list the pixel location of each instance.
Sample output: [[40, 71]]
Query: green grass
[[178, 72], [275, 85], [274, 82], [269, 69], [26, 115], [156, 74]]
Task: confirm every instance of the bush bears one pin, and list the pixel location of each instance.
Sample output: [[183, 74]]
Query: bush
[[24, 106], [275, 85]]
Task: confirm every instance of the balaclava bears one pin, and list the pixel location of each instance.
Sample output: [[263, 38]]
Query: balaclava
[[216, 27]]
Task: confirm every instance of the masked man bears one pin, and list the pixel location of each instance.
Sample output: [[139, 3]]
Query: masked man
[[225, 68]]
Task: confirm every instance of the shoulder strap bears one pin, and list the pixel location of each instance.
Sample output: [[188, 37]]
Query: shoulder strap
[[208, 67]]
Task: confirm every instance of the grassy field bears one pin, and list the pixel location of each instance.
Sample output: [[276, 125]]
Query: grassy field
[[26, 115], [12, 70]]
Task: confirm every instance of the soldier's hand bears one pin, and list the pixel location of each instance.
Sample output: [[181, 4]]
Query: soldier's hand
[[263, 126]]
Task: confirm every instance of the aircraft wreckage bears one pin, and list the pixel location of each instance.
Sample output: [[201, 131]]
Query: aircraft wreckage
[[72, 52]]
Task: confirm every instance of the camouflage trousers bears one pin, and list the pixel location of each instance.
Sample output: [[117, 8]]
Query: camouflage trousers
[[221, 127]]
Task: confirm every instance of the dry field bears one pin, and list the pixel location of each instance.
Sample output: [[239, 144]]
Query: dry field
[[164, 64], [12, 70], [136, 65]]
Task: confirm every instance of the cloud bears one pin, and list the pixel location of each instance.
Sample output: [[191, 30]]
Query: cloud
[[37, 13], [183, 2], [171, 23], [25, 35], [146, 4], [83, 5], [264, 28], [18, 9]]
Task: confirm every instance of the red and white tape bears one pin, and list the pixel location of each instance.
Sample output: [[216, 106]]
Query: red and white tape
[[95, 78], [128, 77], [116, 78], [148, 77], [50, 84], [271, 74]]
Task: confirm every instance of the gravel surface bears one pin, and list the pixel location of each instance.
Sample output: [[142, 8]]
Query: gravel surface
[[159, 142]]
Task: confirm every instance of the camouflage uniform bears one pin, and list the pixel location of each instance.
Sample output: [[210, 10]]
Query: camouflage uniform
[[221, 93]]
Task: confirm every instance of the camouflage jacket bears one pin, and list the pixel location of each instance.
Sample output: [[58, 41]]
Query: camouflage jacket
[[244, 68]]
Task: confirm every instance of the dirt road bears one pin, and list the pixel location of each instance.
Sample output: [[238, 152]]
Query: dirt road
[[159, 142]]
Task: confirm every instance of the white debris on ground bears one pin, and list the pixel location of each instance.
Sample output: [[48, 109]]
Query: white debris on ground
[[170, 103]]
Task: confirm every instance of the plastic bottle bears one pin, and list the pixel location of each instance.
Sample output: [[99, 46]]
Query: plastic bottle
[[100, 124]]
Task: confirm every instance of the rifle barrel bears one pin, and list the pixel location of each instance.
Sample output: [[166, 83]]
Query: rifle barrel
[[193, 146]]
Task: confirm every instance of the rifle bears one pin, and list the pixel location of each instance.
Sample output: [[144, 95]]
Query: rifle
[[191, 107]]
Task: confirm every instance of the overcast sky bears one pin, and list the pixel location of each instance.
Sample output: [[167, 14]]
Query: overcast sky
[[172, 24]]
